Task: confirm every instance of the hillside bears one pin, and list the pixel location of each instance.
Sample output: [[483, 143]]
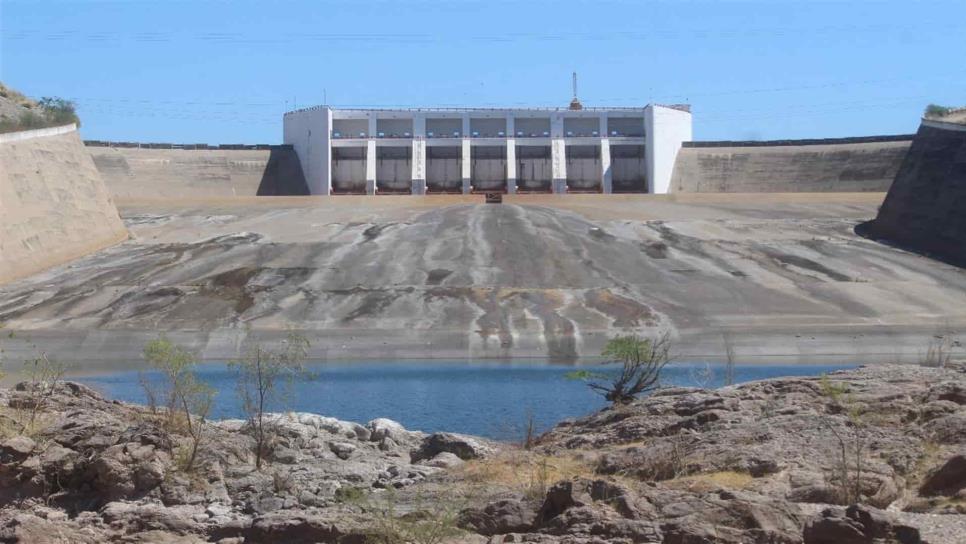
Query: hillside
[[18, 112]]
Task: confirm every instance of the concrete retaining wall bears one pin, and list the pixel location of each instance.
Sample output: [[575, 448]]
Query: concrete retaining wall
[[837, 165], [54, 206], [925, 210], [153, 173]]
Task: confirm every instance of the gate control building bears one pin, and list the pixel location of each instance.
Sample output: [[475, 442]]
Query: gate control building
[[463, 150]]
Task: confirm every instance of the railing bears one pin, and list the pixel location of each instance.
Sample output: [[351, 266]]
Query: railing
[[188, 147], [456, 135], [812, 141], [22, 135]]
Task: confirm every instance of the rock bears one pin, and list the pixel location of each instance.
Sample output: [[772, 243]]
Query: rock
[[16, 449], [134, 516], [950, 429], [948, 479], [342, 449], [301, 528], [345, 429], [285, 456], [217, 510], [444, 460], [382, 428], [937, 408], [655, 462], [25, 528], [500, 517], [561, 497], [857, 524], [948, 391], [463, 446]]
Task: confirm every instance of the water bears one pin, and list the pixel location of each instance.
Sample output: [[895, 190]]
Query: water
[[491, 399]]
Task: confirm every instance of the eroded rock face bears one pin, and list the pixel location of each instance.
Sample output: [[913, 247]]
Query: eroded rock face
[[786, 434], [119, 470]]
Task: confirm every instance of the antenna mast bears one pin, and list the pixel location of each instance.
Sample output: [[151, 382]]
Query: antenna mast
[[575, 103]]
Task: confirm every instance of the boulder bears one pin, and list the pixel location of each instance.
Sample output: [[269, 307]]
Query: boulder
[[383, 428], [463, 446], [948, 391], [16, 449], [444, 460], [947, 479], [561, 497], [858, 524], [499, 517]]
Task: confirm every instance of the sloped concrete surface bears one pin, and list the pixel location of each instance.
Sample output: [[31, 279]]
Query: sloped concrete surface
[[53, 204], [784, 276], [925, 209]]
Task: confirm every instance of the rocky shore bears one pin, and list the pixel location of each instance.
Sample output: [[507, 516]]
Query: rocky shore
[[873, 455]]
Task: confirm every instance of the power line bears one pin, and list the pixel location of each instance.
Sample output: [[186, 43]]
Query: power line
[[236, 38]]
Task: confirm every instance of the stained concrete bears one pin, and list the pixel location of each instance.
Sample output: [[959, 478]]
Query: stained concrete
[[831, 167], [539, 276], [925, 209], [143, 173], [53, 204]]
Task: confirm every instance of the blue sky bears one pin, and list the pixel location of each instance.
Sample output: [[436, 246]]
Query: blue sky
[[225, 71]]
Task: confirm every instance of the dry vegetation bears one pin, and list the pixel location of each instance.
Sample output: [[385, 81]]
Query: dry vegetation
[[526, 472]]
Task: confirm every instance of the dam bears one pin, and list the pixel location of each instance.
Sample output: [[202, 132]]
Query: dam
[[170, 171], [860, 164], [753, 244]]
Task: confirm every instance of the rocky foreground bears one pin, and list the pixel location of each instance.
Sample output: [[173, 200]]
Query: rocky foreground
[[756, 463]]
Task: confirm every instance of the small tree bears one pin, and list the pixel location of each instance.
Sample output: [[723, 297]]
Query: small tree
[[43, 376], [196, 399], [729, 345], [851, 440], [176, 366], [2, 352], [642, 360], [187, 400], [261, 377]]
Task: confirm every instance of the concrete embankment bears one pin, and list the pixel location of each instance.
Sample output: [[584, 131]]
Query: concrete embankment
[[53, 204], [783, 277], [925, 209], [792, 166], [161, 172]]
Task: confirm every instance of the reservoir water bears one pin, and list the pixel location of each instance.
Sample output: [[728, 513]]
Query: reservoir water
[[493, 399]]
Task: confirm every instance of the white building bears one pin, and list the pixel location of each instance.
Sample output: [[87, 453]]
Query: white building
[[419, 151]]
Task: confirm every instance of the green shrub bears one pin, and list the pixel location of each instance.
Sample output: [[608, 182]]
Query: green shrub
[[49, 112], [935, 110], [59, 111], [350, 494]]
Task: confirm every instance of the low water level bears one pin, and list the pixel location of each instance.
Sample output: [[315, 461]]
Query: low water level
[[491, 399]]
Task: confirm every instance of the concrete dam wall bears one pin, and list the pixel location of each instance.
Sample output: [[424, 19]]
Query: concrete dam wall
[[793, 166], [149, 171], [925, 210], [54, 206]]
